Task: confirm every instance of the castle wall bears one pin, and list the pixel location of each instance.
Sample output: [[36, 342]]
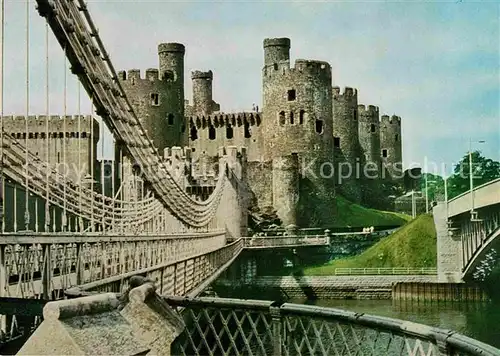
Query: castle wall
[[70, 152], [260, 181], [233, 209], [390, 144], [346, 142], [207, 134]]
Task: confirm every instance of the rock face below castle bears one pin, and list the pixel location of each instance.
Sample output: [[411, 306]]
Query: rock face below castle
[[309, 141]]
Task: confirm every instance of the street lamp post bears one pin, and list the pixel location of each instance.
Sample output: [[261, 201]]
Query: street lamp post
[[471, 180]]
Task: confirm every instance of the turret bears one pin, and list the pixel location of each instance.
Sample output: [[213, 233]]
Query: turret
[[158, 97], [276, 50], [391, 147], [369, 135], [346, 141], [203, 103]]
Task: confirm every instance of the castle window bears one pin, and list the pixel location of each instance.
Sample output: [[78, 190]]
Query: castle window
[[170, 119], [291, 117], [281, 118], [155, 99], [194, 133], [372, 128], [275, 65], [183, 128], [301, 116], [396, 138], [247, 130], [84, 135], [384, 153], [319, 126], [124, 75], [168, 75], [61, 135], [30, 135], [211, 133], [58, 157], [336, 142], [229, 132], [291, 95]]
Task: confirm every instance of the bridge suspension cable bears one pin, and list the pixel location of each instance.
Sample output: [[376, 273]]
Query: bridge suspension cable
[[74, 28]]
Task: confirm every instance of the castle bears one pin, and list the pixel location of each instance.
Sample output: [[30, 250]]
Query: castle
[[310, 141]]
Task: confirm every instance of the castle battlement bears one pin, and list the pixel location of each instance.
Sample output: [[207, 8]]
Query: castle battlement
[[171, 47], [304, 70], [134, 76], [226, 119], [348, 93], [234, 152], [37, 124], [197, 74], [369, 110], [390, 120], [178, 153]]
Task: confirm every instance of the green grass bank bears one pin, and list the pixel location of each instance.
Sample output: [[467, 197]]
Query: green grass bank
[[413, 245], [350, 214]]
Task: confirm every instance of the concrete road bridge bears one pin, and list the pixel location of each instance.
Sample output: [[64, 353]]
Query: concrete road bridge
[[468, 230]]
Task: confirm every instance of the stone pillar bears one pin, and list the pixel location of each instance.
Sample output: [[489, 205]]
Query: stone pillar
[[449, 248]]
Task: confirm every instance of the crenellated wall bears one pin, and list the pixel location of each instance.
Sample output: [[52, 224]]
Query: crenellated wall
[[208, 133], [73, 152]]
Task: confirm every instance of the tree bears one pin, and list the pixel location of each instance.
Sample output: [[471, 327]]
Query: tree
[[435, 186], [484, 170]]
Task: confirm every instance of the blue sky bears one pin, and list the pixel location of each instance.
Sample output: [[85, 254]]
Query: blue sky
[[434, 64]]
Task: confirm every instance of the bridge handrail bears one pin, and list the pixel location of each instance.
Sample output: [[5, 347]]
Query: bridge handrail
[[238, 245], [64, 238], [386, 271], [448, 341], [475, 188]]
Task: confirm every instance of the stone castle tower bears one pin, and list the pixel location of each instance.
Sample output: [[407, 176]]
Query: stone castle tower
[[158, 98], [310, 139]]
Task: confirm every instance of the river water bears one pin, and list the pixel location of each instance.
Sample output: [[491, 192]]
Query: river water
[[480, 321]]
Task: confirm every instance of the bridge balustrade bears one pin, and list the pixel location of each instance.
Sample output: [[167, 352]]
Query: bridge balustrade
[[216, 326], [186, 276], [285, 241], [43, 266]]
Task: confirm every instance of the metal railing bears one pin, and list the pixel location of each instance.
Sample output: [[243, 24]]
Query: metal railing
[[278, 241], [185, 276], [217, 326], [386, 271]]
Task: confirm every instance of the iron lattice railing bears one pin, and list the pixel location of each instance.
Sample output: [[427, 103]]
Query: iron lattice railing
[[245, 327]]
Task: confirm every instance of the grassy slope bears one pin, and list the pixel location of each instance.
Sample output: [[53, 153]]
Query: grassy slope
[[413, 245], [350, 214]]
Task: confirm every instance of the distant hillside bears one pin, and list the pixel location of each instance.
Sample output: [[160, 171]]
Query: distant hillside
[[350, 214], [413, 245]]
